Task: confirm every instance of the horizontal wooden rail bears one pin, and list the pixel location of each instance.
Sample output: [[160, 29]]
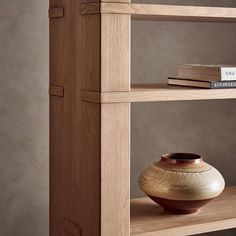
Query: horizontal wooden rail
[[163, 12], [157, 93]]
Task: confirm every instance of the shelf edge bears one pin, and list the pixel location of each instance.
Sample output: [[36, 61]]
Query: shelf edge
[[159, 95], [193, 229]]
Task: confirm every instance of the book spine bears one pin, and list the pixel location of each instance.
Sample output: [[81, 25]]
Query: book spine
[[199, 73], [228, 74], [223, 84]]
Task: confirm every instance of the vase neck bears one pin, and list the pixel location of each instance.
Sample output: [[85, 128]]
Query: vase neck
[[181, 158]]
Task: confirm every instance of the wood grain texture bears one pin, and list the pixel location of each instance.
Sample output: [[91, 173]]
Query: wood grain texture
[[56, 91], [115, 169], [115, 52], [157, 93], [89, 149], [74, 125], [57, 211], [56, 12], [90, 96], [148, 219], [97, 1], [90, 8], [71, 228], [171, 12], [89, 49]]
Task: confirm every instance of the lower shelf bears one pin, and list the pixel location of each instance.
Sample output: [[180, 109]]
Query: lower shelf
[[148, 219]]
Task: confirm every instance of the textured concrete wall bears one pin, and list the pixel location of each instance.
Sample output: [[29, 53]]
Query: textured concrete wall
[[23, 118], [205, 127]]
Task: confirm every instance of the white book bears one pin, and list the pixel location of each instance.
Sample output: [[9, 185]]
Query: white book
[[228, 73]]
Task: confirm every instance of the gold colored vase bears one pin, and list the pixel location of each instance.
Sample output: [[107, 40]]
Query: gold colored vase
[[181, 182]]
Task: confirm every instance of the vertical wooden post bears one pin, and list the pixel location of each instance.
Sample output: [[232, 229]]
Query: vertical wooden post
[[115, 126], [115, 169], [115, 52], [89, 142]]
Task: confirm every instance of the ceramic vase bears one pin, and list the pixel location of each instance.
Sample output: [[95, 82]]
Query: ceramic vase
[[181, 182]]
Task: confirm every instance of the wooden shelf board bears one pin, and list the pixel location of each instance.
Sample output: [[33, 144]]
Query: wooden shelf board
[[148, 219], [163, 12], [158, 92]]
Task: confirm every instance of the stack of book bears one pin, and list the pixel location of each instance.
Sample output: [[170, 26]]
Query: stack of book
[[204, 76]]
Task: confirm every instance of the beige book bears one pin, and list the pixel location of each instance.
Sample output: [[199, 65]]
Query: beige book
[[207, 72]]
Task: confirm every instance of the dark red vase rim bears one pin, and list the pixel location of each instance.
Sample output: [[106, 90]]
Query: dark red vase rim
[[184, 158]]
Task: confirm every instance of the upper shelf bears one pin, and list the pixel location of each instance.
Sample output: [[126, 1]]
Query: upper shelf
[[163, 12], [157, 93]]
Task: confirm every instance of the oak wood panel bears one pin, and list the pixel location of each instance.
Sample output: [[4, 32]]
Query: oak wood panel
[[56, 193], [115, 169], [57, 106], [88, 49], [148, 219], [87, 169], [157, 93], [170, 12], [80, 176], [115, 52], [74, 125]]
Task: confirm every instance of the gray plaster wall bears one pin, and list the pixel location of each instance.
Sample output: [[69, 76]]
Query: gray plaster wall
[[24, 118], [205, 127]]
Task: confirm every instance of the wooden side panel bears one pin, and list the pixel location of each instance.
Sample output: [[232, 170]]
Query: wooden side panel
[[89, 142], [115, 169], [115, 52], [57, 117], [74, 125], [88, 51], [87, 170], [57, 194]]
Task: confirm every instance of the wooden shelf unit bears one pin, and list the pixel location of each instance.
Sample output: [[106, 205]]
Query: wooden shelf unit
[[90, 97]]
